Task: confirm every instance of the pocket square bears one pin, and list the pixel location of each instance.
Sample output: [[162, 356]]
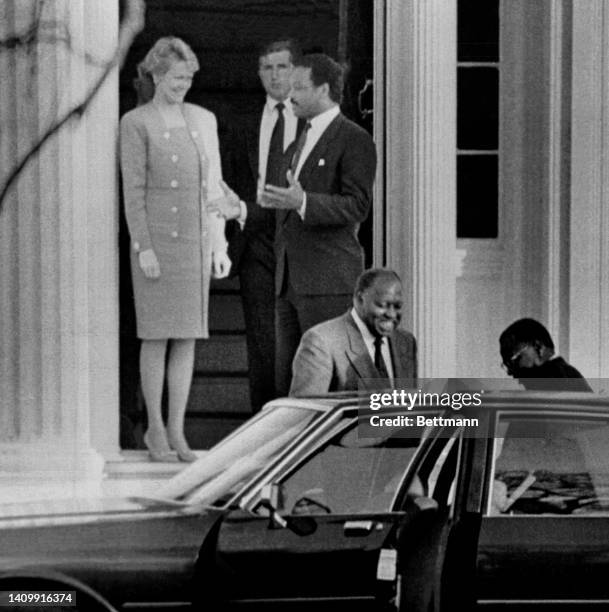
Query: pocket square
[[321, 162]]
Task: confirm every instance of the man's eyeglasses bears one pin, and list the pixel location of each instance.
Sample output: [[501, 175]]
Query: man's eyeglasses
[[508, 365]]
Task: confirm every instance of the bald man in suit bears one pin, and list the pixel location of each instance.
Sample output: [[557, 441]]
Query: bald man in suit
[[364, 343]]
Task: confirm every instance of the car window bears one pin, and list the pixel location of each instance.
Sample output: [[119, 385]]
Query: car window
[[544, 465], [226, 467], [436, 475], [348, 475]]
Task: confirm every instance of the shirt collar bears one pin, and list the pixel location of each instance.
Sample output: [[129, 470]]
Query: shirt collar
[[320, 122], [269, 106], [363, 328]]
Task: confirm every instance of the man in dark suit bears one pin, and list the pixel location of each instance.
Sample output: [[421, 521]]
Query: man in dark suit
[[364, 343], [258, 143], [330, 172]]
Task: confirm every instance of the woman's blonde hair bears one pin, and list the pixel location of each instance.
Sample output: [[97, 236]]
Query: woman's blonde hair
[[165, 52]]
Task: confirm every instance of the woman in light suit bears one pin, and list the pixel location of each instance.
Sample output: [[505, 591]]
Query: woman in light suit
[[170, 164]]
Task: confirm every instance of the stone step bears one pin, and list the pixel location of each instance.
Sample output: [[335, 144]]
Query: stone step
[[219, 396], [203, 433], [226, 314], [221, 354]]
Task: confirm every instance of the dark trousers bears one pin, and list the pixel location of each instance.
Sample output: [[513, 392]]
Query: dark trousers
[[257, 280], [294, 314]]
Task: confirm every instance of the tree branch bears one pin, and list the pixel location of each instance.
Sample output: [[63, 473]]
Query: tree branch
[[131, 25]]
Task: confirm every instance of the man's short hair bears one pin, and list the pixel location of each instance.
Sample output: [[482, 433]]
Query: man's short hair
[[285, 44], [324, 70], [367, 278], [524, 331]]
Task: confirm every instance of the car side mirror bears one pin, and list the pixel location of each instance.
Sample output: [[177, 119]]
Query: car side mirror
[[269, 499]]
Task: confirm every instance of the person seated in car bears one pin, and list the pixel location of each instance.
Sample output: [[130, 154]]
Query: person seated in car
[[527, 353]]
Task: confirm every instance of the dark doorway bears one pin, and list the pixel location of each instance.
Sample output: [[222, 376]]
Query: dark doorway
[[226, 36]]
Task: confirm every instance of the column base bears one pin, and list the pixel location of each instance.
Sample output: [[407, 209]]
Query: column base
[[36, 471]]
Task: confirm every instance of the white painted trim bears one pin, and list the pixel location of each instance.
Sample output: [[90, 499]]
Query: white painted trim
[[589, 235], [379, 203], [556, 279]]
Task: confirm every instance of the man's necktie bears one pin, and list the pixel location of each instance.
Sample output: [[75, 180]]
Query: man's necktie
[[300, 143], [379, 362], [275, 156]]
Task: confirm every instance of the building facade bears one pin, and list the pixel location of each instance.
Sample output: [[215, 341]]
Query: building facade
[[548, 258]]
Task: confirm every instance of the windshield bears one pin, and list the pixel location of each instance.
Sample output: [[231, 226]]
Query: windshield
[[227, 466]]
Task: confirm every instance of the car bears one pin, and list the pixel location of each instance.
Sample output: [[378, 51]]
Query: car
[[134, 553], [504, 505]]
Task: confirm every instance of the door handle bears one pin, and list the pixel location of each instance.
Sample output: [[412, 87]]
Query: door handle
[[359, 528]]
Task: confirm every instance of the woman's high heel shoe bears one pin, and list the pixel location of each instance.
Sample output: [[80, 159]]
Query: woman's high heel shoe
[[157, 454], [183, 451]]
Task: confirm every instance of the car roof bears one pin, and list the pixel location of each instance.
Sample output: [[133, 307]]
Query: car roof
[[322, 403], [547, 399]]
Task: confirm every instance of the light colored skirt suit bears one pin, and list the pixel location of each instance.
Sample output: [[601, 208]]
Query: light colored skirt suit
[[168, 175]]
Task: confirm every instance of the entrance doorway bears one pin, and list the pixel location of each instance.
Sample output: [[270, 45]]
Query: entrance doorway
[[226, 35]]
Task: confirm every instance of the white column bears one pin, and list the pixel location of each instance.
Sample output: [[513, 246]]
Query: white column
[[589, 218], [556, 180], [420, 173], [101, 29], [58, 247]]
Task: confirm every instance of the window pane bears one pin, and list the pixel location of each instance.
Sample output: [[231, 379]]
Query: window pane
[[349, 475], [478, 30], [231, 462], [477, 196], [551, 466], [477, 108]]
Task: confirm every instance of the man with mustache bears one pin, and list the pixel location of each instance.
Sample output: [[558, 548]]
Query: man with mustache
[[329, 173]]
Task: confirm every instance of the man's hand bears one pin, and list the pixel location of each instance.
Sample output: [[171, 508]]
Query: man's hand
[[149, 264], [227, 206], [221, 265], [289, 198]]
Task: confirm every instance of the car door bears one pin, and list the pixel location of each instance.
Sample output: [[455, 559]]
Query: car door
[[352, 506], [544, 536]]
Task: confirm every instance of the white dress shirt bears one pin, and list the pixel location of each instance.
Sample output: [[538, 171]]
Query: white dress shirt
[[267, 124], [368, 338], [319, 123]]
